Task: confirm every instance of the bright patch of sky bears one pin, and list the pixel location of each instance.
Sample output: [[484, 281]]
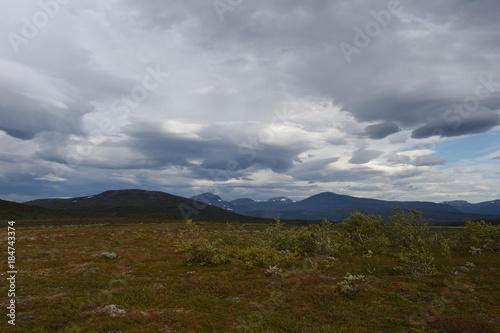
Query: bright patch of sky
[[477, 147]]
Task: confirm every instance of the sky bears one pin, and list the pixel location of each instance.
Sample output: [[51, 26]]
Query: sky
[[394, 100]]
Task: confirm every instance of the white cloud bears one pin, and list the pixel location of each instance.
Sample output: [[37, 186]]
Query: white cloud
[[52, 178]]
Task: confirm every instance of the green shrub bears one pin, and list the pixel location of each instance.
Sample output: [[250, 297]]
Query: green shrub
[[259, 256], [203, 252], [409, 228], [378, 243], [366, 232], [199, 250], [446, 247], [417, 261], [279, 237], [231, 236], [322, 239], [481, 235]]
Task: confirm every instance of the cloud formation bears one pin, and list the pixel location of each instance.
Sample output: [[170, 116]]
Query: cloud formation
[[380, 131], [257, 100]]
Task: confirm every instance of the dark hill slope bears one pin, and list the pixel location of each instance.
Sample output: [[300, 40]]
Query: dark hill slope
[[129, 203], [17, 211]]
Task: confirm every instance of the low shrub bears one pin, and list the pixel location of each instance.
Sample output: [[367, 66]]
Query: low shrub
[[481, 235], [203, 252], [279, 237], [260, 256], [417, 261], [365, 232], [323, 239], [408, 228]]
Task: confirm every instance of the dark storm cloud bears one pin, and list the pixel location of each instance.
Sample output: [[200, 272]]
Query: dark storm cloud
[[479, 122], [24, 118], [380, 131], [50, 93], [150, 147], [278, 159]]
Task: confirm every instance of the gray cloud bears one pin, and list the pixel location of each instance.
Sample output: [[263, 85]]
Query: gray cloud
[[479, 122], [363, 155], [427, 161], [314, 170], [380, 131], [395, 159], [24, 118], [338, 175], [148, 147]]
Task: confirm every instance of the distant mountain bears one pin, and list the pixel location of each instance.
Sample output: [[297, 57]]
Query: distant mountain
[[336, 207], [245, 206], [130, 203], [214, 200], [457, 203], [281, 200], [17, 211], [486, 207]]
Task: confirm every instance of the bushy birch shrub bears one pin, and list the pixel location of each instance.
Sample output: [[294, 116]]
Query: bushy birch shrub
[[481, 235], [366, 232], [408, 228]]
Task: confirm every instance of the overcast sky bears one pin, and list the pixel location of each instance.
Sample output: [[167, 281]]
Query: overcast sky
[[251, 98]]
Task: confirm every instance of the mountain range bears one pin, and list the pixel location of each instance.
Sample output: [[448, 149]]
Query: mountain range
[[210, 207], [140, 204], [336, 207], [486, 207]]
